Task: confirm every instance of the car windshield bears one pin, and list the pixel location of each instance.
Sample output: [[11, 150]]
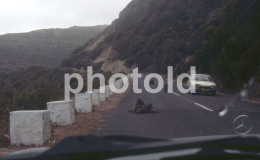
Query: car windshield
[[164, 69], [203, 78]]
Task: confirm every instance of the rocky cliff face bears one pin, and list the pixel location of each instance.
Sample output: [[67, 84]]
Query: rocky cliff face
[[152, 35], [149, 34]]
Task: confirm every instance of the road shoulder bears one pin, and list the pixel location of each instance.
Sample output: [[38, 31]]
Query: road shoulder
[[85, 124]]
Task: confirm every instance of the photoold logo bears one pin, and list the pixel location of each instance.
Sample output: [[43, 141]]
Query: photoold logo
[[135, 76]]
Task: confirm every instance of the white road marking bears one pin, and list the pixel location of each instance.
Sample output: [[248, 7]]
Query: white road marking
[[176, 94], [203, 107]]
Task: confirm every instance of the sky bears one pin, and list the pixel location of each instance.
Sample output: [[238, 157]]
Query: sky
[[27, 15]]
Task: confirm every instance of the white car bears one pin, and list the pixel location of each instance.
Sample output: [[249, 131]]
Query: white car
[[202, 83]]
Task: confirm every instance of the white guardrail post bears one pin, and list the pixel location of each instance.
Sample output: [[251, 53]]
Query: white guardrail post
[[102, 96], [83, 102], [95, 97], [61, 112], [30, 127], [107, 91]]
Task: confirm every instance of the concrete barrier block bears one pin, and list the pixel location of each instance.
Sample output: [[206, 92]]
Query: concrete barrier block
[[107, 91], [61, 112], [129, 76], [30, 127], [83, 102], [95, 97], [120, 83], [102, 96], [117, 84], [110, 91]]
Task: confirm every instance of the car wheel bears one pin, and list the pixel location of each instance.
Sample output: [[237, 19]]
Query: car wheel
[[213, 93]]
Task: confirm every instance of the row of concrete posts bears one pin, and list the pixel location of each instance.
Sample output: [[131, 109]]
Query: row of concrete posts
[[34, 127]]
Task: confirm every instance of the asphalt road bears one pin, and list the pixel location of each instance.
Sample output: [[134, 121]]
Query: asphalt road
[[179, 115]]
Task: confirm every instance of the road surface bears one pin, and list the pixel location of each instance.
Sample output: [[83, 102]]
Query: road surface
[[179, 115]]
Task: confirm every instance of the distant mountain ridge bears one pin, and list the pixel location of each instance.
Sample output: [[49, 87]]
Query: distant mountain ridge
[[46, 47]]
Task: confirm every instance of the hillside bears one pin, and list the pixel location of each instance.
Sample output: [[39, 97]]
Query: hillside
[[47, 47], [220, 37]]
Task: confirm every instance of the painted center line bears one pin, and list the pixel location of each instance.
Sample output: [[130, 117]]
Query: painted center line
[[176, 94], [203, 107]]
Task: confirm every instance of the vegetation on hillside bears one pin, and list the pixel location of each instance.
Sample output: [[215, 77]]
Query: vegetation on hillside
[[233, 42], [220, 37]]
